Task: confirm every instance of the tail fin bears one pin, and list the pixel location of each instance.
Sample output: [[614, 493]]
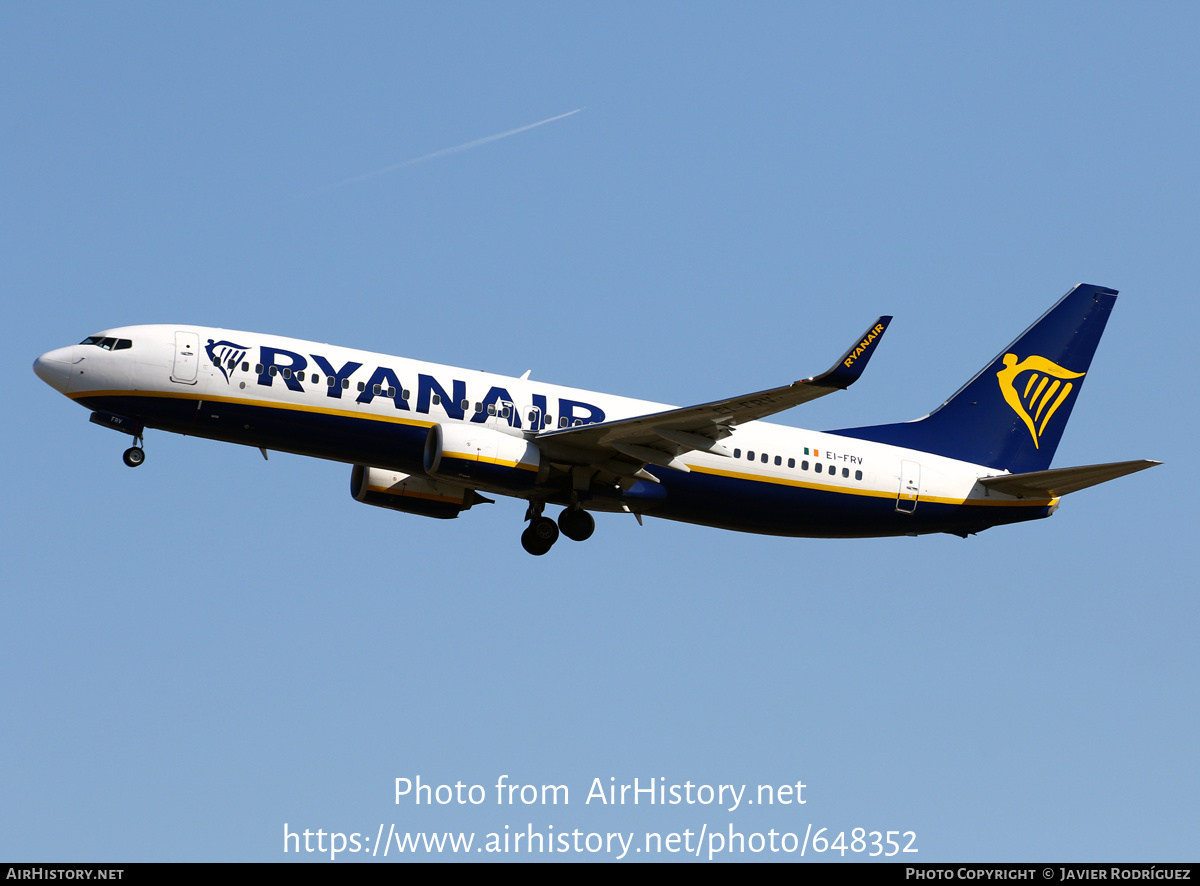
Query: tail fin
[[1011, 415]]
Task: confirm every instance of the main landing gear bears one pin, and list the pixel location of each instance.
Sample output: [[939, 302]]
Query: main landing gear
[[576, 524], [541, 533]]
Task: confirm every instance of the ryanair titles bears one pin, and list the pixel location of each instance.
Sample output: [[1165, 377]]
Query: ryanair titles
[[383, 381], [873, 334]]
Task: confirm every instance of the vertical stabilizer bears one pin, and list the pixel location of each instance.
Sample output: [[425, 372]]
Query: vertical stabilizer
[[1011, 415]]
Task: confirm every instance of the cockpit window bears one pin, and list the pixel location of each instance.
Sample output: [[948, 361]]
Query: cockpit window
[[109, 344]]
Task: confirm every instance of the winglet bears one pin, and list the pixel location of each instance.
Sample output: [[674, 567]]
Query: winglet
[[852, 363]]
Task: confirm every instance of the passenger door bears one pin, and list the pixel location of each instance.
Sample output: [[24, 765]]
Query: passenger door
[[187, 358]]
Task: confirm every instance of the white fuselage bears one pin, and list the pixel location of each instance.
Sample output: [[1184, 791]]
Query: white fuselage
[[374, 409]]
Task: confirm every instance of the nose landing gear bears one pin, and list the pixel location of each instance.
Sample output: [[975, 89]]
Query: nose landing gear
[[134, 455]]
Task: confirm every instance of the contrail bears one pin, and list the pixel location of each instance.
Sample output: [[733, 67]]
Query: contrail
[[444, 151]]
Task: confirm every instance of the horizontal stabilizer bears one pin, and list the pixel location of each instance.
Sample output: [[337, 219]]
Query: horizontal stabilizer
[[1060, 481]]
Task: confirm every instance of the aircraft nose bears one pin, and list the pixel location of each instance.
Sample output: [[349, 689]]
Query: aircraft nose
[[54, 368]]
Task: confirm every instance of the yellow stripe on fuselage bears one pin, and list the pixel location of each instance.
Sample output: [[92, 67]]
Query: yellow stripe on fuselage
[[396, 419], [872, 493], [266, 404]]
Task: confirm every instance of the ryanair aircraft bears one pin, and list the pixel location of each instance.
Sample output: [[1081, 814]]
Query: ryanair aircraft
[[429, 439]]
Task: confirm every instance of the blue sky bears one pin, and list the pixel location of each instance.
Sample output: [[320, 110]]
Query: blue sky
[[201, 650]]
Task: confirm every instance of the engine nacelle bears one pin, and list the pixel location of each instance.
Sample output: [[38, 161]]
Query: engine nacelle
[[482, 456], [415, 495]]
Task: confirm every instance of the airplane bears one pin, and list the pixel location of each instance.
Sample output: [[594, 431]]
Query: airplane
[[430, 439]]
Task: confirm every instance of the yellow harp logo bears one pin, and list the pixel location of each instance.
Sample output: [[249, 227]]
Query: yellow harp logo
[[1042, 393]]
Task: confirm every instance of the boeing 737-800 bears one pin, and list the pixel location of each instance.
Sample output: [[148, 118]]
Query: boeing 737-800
[[429, 439]]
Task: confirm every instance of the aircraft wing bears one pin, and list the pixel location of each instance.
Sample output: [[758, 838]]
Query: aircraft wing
[[625, 446]]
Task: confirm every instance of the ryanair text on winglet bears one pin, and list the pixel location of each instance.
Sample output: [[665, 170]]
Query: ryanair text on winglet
[[875, 332]]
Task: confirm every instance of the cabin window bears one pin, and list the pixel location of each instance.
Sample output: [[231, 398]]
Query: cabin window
[[407, 393], [505, 412], [764, 458], [346, 383], [330, 381], [750, 454], [287, 373], [274, 371], [362, 386], [376, 390], [577, 422], [478, 407], [464, 405], [804, 465], [562, 421], [491, 409], [817, 467], [299, 375], [845, 472], [791, 462], [548, 421], [391, 392], [258, 369], [436, 399], [245, 367], [778, 459], [737, 453], [858, 475]]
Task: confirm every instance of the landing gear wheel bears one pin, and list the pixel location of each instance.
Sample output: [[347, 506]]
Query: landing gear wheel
[[134, 456], [532, 545], [544, 530], [576, 524], [539, 536]]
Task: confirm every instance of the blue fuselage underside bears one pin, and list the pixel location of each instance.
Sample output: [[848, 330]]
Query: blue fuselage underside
[[746, 505]]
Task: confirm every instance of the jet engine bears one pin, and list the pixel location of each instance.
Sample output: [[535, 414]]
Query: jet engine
[[483, 456], [415, 495]]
